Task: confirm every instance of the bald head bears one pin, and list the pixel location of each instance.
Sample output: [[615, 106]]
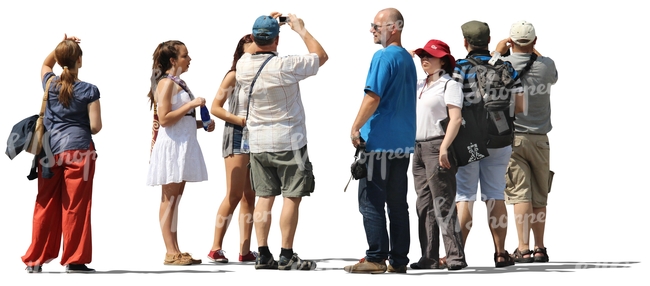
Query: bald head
[[392, 15]]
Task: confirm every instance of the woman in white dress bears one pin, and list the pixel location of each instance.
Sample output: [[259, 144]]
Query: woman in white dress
[[176, 156]]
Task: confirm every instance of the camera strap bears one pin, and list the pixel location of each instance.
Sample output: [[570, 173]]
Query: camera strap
[[360, 147]]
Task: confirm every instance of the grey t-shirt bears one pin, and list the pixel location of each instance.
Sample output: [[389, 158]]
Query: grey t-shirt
[[537, 84]]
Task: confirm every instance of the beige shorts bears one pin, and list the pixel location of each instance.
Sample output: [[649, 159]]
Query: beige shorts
[[288, 173], [529, 177]]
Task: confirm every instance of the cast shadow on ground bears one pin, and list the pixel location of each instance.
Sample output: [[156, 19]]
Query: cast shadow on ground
[[553, 266]]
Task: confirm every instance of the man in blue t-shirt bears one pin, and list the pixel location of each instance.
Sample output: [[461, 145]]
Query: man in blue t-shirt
[[386, 122]]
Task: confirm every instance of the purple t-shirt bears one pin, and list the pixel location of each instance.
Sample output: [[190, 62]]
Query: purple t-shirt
[[69, 127]]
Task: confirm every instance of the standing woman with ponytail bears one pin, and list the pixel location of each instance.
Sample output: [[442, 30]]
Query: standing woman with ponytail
[[176, 156], [64, 197]]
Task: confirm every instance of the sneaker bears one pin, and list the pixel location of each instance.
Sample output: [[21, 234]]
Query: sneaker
[[264, 262], [34, 269], [217, 256], [397, 269], [78, 268], [177, 259], [189, 257], [251, 256], [295, 263], [367, 267]]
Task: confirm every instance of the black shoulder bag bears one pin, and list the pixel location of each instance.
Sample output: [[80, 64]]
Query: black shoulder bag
[[468, 145]]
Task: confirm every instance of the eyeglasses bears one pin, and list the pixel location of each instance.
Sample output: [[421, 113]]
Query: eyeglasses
[[376, 27]]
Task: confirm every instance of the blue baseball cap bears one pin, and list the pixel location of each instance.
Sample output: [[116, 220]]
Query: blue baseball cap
[[266, 28]]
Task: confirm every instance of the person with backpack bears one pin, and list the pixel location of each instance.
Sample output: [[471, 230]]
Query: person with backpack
[[491, 94], [529, 176]]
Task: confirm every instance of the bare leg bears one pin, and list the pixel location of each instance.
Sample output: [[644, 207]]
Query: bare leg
[[262, 219], [168, 215], [538, 225], [246, 208], [289, 221], [465, 218], [498, 222], [523, 215], [236, 178]]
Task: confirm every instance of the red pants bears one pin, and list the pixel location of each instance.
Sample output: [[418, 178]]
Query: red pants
[[63, 208]]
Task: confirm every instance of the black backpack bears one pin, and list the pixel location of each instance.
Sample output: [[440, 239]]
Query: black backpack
[[493, 86]]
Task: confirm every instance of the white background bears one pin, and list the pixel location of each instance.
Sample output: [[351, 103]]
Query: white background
[[596, 211]]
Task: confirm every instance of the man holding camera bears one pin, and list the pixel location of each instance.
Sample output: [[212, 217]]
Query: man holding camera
[[386, 121], [279, 162], [529, 176]]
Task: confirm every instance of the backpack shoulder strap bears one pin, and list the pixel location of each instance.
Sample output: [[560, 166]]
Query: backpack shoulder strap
[[473, 61]]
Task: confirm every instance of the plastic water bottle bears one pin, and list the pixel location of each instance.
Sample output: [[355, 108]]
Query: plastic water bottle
[[205, 117]]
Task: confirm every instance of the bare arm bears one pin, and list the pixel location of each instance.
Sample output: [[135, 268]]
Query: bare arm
[[502, 47], [227, 86], [166, 88], [313, 46], [48, 64], [95, 115], [368, 107], [50, 60], [455, 120]]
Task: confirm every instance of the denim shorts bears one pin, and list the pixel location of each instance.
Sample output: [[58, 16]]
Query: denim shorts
[[236, 139]]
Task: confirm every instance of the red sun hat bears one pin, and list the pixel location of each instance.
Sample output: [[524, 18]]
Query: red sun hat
[[438, 49]]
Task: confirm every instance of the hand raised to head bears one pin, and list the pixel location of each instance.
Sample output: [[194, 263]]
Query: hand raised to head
[[72, 38]]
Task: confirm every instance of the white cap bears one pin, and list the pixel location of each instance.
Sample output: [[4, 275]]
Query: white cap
[[522, 33]]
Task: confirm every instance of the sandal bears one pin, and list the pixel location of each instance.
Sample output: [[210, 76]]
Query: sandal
[[543, 257], [508, 260], [518, 256], [442, 263]]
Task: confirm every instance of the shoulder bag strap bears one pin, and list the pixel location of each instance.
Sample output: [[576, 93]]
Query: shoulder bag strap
[[529, 64], [45, 94], [183, 85], [443, 97], [250, 91]]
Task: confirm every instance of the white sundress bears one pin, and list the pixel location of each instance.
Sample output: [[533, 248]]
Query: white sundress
[[176, 155]]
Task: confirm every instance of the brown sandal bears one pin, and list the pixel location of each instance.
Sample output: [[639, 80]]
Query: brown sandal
[[518, 256], [508, 261], [543, 257]]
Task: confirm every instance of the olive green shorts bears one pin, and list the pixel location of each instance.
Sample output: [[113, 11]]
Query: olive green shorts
[[288, 173]]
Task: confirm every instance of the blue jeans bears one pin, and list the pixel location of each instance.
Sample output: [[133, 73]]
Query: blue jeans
[[386, 186]]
